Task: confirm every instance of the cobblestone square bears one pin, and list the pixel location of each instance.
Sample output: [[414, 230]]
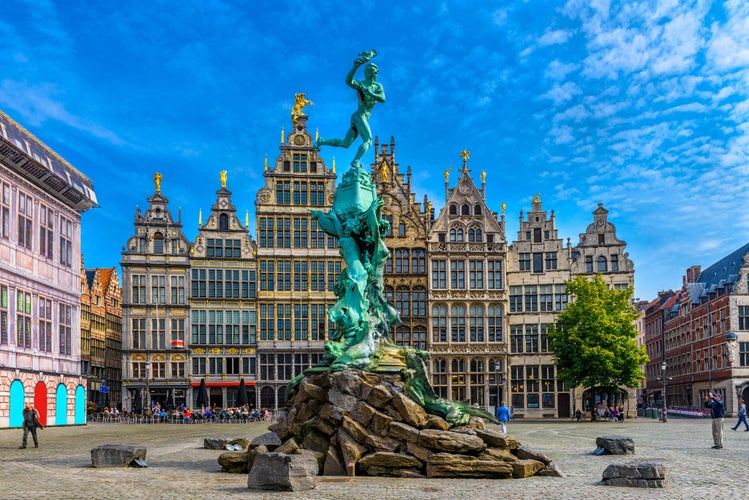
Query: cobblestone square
[[181, 468]]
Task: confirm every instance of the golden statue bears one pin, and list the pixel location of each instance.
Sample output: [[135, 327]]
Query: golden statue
[[222, 174], [504, 207], [447, 173], [483, 176], [157, 181], [429, 206], [537, 198], [385, 172], [465, 154], [300, 101]]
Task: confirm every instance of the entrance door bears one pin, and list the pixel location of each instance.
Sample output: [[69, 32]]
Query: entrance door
[[563, 405], [40, 402]]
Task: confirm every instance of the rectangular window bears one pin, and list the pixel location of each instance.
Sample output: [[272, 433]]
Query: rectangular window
[[23, 319], [232, 366], [198, 366], [743, 353], [46, 232], [65, 324], [439, 274], [5, 211], [178, 333], [139, 333], [158, 289], [158, 333], [531, 338], [551, 260], [66, 242], [531, 298], [457, 274], [525, 261], [536, 235], [743, 317], [494, 274], [476, 274], [516, 299], [139, 369], [216, 366], [560, 297], [177, 289], [158, 369], [588, 263], [25, 220], [178, 369], [614, 262], [267, 366], [516, 339], [546, 297], [138, 295], [45, 324]]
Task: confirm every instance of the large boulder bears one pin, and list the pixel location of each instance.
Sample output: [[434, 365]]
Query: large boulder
[[239, 462], [636, 475], [281, 472], [116, 455], [452, 442], [615, 445], [270, 440], [219, 443], [453, 465]]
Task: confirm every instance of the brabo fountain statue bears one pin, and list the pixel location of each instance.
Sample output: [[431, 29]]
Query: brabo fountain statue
[[369, 407]]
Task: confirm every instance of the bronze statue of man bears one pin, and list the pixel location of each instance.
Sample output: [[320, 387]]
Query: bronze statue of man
[[368, 93]]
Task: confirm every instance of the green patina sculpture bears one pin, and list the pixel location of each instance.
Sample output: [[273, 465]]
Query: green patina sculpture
[[368, 93], [362, 315]]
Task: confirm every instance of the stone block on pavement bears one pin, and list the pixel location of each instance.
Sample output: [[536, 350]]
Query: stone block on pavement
[[281, 472], [116, 455]]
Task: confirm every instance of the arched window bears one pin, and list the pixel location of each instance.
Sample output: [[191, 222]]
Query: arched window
[[459, 235], [419, 338], [477, 210], [453, 210], [388, 293], [453, 235], [494, 322], [465, 210], [281, 397], [223, 222], [403, 336], [477, 323], [479, 236], [439, 323], [602, 264], [458, 323], [471, 235], [158, 243], [267, 397], [477, 365], [458, 366], [439, 377]]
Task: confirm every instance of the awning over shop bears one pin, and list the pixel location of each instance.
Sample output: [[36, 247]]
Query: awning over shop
[[225, 383]]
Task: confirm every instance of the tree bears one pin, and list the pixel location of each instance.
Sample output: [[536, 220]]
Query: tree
[[594, 342]]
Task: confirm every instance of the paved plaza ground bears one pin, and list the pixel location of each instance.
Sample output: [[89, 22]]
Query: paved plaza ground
[[181, 468]]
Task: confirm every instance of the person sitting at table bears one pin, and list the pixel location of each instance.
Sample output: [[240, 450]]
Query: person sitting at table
[[186, 415]]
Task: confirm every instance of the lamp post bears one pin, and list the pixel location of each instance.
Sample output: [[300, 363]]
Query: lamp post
[[664, 409], [500, 380]]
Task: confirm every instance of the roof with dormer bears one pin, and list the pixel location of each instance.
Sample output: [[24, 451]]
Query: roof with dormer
[[723, 273]]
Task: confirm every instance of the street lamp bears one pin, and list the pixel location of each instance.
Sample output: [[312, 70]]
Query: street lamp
[[664, 409], [500, 380]]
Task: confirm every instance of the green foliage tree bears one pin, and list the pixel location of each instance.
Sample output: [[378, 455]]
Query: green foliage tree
[[594, 342]]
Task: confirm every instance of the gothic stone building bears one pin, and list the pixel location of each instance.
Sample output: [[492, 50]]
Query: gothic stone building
[[467, 295]]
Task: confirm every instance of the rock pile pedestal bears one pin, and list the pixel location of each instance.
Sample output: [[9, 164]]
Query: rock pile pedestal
[[356, 422]]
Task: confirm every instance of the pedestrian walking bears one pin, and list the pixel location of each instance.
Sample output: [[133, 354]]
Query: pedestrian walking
[[717, 411], [30, 424], [742, 416], [503, 415]]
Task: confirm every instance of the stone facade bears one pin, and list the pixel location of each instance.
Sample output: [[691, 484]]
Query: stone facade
[[223, 317], [298, 264], [42, 198], [155, 264], [467, 298]]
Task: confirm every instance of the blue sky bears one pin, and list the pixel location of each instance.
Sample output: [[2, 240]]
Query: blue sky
[[640, 106]]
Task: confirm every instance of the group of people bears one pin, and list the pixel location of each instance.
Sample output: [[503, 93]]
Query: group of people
[[602, 413]]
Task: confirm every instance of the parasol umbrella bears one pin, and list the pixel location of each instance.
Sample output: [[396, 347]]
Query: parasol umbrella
[[138, 402], [202, 401], [242, 398]]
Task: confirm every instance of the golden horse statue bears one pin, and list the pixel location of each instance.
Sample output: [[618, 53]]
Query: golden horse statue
[[300, 102]]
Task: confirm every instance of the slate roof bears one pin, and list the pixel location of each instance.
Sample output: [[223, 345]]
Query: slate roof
[[722, 273]]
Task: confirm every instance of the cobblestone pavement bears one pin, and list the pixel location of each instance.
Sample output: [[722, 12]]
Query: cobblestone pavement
[[181, 468]]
